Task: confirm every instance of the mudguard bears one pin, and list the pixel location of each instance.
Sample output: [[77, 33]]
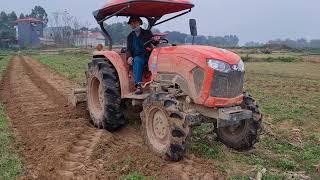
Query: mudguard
[[121, 66]]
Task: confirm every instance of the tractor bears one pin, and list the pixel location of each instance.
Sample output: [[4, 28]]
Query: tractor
[[183, 85]]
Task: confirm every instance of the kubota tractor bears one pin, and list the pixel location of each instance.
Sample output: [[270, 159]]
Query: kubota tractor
[[184, 85]]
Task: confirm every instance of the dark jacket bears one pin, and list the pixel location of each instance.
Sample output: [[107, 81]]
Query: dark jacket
[[145, 35]]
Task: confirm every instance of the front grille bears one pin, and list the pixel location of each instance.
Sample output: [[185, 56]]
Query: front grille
[[227, 85]]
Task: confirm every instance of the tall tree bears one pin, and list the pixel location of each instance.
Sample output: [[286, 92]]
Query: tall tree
[[7, 31], [40, 13], [21, 16], [12, 17]]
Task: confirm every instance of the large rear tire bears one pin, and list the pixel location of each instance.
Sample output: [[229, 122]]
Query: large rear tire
[[165, 127], [244, 135], [104, 95]]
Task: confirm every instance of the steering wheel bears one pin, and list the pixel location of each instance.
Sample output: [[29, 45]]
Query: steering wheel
[[161, 41], [147, 43]]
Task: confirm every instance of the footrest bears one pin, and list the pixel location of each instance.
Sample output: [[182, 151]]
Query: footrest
[[135, 96]]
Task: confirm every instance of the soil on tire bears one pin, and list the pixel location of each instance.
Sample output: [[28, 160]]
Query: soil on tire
[[57, 141], [244, 135], [165, 135], [103, 95]]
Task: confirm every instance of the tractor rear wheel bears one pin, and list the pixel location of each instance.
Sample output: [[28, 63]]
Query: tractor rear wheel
[[244, 135], [165, 127], [103, 95]]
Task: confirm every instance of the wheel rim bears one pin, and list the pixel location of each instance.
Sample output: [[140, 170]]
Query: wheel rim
[[96, 97], [235, 130], [158, 130], [160, 125]]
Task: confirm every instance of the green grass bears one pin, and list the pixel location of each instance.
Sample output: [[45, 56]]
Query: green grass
[[10, 163], [275, 177], [265, 177], [269, 58], [202, 147], [286, 164], [289, 95], [313, 52], [71, 65], [134, 176]]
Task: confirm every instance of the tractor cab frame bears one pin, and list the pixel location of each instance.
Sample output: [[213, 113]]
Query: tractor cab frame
[[153, 11]]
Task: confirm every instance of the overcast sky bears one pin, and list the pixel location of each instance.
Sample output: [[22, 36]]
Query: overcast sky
[[250, 20]]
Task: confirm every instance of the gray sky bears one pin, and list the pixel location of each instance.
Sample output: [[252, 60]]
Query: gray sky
[[250, 20]]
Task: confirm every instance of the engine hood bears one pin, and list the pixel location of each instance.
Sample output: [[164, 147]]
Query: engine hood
[[204, 52]]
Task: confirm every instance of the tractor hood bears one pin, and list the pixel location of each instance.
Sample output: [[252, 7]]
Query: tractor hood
[[204, 52]]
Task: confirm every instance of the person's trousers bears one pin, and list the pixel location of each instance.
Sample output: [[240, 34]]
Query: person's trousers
[[139, 62]]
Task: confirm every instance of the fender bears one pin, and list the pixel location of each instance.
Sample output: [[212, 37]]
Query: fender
[[121, 67]]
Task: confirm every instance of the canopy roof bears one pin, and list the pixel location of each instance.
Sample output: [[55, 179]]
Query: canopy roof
[[28, 20], [142, 8]]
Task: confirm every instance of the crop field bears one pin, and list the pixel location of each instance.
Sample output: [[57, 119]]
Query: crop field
[[286, 85]]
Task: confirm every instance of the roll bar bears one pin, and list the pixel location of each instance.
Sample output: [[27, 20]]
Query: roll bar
[[152, 21]]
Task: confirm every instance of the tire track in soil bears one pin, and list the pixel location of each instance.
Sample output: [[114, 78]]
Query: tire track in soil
[[58, 142]]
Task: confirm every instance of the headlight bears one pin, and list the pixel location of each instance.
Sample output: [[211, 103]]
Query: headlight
[[219, 65], [225, 67]]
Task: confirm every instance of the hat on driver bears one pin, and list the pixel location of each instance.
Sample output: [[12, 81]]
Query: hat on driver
[[135, 18]]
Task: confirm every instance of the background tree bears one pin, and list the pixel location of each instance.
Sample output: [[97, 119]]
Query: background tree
[[39, 12], [12, 17], [315, 43], [7, 31], [21, 16], [118, 32]]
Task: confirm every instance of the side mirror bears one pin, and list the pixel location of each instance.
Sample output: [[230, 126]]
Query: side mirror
[[193, 27]]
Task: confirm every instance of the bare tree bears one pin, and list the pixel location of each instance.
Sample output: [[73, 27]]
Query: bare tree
[[67, 31]]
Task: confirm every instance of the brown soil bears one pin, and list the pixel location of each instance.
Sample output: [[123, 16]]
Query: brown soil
[[58, 142], [314, 58]]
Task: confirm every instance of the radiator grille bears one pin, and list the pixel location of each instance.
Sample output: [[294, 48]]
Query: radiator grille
[[227, 85]]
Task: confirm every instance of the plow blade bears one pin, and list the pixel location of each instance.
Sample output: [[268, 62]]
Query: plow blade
[[78, 96]]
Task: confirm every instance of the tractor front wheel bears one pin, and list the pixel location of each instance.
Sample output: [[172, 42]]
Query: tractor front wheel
[[245, 134], [103, 95], [164, 126]]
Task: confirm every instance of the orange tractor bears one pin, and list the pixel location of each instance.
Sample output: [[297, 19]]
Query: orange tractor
[[183, 85]]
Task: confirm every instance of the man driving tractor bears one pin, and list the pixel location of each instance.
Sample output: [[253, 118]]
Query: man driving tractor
[[137, 54], [207, 88]]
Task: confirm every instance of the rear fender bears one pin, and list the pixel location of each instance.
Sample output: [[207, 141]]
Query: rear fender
[[121, 67]]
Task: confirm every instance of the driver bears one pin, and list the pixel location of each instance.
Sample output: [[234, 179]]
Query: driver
[[137, 55]]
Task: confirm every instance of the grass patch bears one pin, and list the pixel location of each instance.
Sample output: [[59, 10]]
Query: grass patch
[[10, 163], [202, 147], [71, 65], [134, 176], [282, 59], [269, 58], [286, 164], [312, 52], [289, 97], [239, 178], [275, 177]]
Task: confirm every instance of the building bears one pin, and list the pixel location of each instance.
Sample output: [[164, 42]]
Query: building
[[29, 32], [89, 39]]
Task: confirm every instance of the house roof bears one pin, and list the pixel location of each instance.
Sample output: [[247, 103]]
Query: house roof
[[29, 20]]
